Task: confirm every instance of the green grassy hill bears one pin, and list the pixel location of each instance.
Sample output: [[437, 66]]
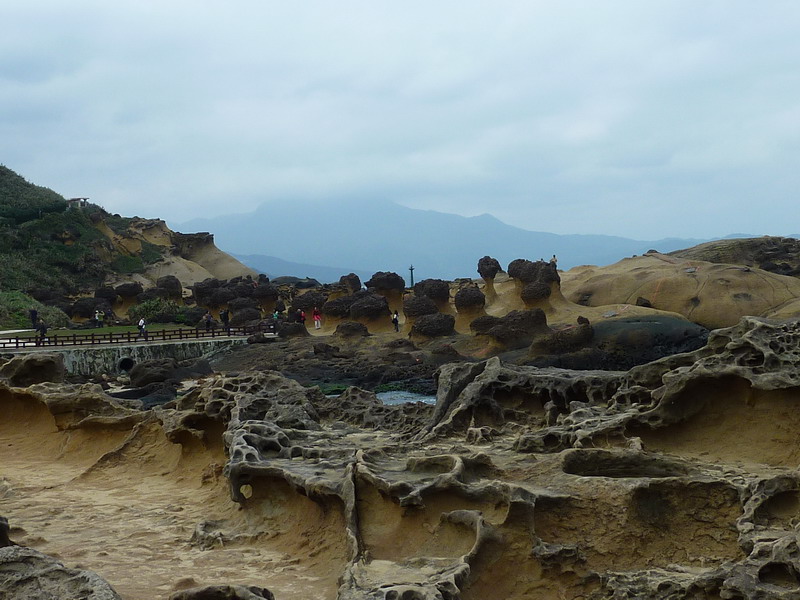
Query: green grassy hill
[[45, 244]]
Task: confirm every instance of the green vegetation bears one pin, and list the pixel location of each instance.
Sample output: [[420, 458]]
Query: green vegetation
[[15, 312], [46, 245], [159, 310]]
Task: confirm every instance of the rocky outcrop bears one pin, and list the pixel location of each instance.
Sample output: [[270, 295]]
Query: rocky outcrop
[[417, 306], [435, 289], [435, 325], [711, 295], [469, 299], [30, 575], [386, 282], [224, 592], [28, 369], [514, 330]]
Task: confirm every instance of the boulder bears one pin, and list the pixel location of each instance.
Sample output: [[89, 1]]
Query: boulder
[[224, 592], [469, 298], [434, 325], [171, 284], [528, 271], [27, 369], [435, 289], [350, 282], [241, 303], [369, 306], [515, 330], [351, 329], [288, 330], [308, 301], [31, 575], [245, 316], [417, 306], [203, 289], [107, 293], [265, 292], [220, 297], [385, 281], [489, 267], [129, 290]]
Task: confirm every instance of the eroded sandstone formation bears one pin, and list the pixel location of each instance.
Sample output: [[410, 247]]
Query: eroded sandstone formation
[[674, 479]]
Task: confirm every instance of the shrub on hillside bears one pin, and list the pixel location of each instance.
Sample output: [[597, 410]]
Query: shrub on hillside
[[15, 307]]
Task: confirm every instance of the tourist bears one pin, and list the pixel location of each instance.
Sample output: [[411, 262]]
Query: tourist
[[98, 318], [301, 317], [225, 317], [317, 315], [396, 321], [41, 332], [34, 315], [207, 319], [142, 329]]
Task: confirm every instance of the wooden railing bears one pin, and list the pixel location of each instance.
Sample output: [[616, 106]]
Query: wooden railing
[[128, 337]]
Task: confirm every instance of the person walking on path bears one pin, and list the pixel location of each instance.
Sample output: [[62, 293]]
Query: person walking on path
[[396, 321], [142, 329], [317, 315], [34, 315], [207, 319], [41, 333], [225, 317]]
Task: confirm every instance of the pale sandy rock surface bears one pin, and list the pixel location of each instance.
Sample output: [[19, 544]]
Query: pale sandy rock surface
[[713, 295], [676, 479]]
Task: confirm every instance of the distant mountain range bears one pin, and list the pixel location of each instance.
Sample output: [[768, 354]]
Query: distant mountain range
[[326, 241]]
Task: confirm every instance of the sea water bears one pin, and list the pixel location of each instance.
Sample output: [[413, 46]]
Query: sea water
[[400, 397]]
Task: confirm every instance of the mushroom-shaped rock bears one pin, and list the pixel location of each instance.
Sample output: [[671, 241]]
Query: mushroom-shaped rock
[[434, 325], [129, 290], [528, 271], [469, 299], [238, 304], [534, 292], [351, 282], [171, 284], [245, 316], [514, 330], [265, 292], [220, 297], [488, 267], [386, 282], [351, 329], [435, 289], [85, 307], [417, 306], [107, 293], [309, 300], [369, 306], [202, 290]]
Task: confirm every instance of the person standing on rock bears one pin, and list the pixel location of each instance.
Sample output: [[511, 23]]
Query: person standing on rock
[[142, 329], [317, 316], [396, 321]]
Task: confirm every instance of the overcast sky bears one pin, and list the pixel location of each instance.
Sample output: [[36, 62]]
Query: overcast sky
[[645, 119]]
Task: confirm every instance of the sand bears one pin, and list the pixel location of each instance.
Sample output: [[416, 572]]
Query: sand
[[125, 505]]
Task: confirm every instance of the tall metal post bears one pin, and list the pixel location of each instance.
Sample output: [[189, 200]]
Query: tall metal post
[[411, 269]]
